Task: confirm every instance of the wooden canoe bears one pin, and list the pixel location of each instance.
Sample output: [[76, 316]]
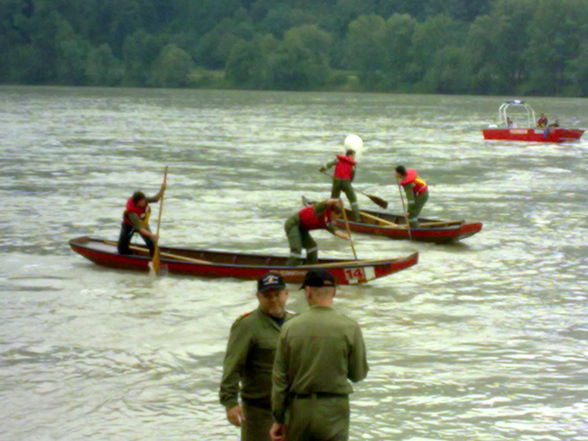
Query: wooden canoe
[[207, 263], [394, 227]]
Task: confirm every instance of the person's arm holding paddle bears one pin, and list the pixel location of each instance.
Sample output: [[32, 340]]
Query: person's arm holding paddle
[[335, 207], [142, 227]]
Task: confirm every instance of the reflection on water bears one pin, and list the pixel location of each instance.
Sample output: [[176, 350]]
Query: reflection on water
[[484, 340]]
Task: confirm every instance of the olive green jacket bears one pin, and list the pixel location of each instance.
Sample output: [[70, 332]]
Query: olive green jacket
[[319, 351], [248, 362]]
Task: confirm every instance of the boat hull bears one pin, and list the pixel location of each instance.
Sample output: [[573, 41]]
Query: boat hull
[[242, 266], [446, 232], [533, 135]]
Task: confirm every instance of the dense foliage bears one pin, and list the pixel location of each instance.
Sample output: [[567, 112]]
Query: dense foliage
[[440, 46]]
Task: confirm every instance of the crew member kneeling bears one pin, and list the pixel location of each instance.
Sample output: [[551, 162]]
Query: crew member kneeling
[[136, 220]]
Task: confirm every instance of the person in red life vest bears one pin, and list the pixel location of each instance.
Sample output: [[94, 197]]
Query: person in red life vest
[[136, 220], [417, 192], [318, 216], [342, 178], [542, 122]]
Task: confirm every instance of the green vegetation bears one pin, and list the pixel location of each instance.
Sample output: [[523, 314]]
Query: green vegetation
[[530, 47]]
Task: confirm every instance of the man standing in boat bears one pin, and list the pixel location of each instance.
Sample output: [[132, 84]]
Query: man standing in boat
[[248, 362], [318, 352], [317, 216], [136, 220], [417, 192], [342, 179]]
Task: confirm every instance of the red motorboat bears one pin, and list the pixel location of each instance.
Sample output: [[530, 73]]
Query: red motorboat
[[394, 226], [506, 130], [206, 263]]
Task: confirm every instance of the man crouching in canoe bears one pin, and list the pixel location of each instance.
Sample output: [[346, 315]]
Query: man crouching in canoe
[[136, 219], [417, 192], [321, 215]]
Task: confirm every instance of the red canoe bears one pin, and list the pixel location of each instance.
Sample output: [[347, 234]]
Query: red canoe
[[394, 227], [554, 134], [205, 263]]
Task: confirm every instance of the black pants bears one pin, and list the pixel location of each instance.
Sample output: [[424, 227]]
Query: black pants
[[124, 240]]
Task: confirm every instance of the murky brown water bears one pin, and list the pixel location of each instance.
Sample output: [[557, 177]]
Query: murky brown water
[[486, 340]]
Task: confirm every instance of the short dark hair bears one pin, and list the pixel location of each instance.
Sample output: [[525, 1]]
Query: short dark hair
[[401, 170], [350, 152], [137, 196]]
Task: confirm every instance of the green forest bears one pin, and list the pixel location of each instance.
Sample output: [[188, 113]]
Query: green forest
[[499, 47]]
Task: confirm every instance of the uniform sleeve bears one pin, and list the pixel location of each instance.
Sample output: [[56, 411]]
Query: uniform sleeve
[[358, 366], [280, 385], [137, 224], [152, 200], [234, 363], [330, 164]]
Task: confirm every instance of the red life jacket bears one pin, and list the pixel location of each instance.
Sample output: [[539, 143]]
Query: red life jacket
[[420, 186], [344, 167], [143, 213], [310, 221]]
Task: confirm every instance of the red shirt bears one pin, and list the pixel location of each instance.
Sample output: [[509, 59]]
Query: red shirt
[[132, 208], [310, 221], [344, 168], [419, 185]]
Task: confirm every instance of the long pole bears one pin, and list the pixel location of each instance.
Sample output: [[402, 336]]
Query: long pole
[[348, 230], [405, 212], [155, 262]]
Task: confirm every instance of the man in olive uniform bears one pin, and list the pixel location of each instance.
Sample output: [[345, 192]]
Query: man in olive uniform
[[318, 216], [318, 352], [248, 362]]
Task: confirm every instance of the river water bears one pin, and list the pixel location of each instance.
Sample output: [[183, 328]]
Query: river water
[[484, 340]]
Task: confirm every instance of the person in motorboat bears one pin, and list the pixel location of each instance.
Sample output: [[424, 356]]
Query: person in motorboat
[[542, 122]]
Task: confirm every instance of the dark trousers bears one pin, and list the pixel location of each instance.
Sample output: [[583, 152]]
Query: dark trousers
[[257, 424], [124, 240], [318, 419]]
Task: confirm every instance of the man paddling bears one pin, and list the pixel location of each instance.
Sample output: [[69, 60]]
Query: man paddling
[[342, 179], [136, 220], [248, 362], [416, 190], [317, 216]]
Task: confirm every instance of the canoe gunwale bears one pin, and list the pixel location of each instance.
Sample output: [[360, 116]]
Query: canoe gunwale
[[331, 263]]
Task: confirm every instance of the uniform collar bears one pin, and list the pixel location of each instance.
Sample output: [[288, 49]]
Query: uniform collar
[[268, 318]]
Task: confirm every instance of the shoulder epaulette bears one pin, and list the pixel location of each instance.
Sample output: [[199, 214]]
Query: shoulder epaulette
[[242, 316]]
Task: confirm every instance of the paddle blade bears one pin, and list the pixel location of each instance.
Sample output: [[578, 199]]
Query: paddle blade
[[155, 264], [378, 201]]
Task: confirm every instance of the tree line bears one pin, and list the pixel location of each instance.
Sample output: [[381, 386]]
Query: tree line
[[526, 47]]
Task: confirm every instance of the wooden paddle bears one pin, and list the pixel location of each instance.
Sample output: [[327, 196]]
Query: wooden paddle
[[375, 199], [405, 212], [382, 221], [154, 265], [348, 230], [163, 253], [421, 225]]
